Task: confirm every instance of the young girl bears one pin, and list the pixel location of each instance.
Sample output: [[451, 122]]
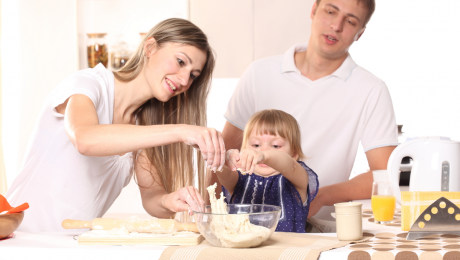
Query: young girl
[[269, 170]]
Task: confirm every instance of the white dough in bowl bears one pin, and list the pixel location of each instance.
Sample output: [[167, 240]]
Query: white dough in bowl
[[233, 230]]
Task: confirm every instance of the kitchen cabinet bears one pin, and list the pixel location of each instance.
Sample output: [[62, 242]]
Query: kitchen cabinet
[[241, 31]]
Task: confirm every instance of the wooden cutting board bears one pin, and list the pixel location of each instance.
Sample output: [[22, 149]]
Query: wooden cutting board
[[99, 237]]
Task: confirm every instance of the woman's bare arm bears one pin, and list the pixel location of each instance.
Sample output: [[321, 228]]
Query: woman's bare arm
[[156, 201], [92, 139]]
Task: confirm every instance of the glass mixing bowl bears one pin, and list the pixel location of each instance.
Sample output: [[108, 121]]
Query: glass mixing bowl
[[266, 216]]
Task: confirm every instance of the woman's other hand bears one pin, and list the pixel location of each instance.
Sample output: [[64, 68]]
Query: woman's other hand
[[249, 159], [209, 141], [187, 198]]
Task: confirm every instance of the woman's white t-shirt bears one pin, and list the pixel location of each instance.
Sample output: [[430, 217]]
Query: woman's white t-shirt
[[55, 179]]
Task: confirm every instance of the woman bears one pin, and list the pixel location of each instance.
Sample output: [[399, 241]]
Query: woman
[[86, 141]]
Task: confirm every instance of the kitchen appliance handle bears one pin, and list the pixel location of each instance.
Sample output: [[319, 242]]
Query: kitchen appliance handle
[[411, 149]]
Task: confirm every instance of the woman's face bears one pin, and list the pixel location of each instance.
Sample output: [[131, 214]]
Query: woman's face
[[171, 69]]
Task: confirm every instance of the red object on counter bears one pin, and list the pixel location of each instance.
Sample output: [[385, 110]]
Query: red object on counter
[[4, 205]]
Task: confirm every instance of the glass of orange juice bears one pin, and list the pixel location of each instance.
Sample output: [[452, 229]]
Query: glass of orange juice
[[383, 202]]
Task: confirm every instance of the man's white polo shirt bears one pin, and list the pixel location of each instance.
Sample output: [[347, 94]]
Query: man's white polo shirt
[[335, 112]]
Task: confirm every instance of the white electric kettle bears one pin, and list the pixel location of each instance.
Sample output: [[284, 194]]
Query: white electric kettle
[[435, 165]]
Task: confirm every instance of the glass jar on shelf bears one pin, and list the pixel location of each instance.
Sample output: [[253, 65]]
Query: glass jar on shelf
[[119, 55], [120, 58], [97, 49]]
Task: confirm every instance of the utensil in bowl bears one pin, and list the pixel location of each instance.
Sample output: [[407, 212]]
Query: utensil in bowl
[[266, 216], [9, 223]]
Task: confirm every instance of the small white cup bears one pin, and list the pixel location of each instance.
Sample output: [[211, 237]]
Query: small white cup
[[349, 221]]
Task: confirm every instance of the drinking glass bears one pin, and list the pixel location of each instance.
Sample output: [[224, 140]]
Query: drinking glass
[[383, 202]]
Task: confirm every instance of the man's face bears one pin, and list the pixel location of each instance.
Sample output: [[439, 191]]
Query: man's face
[[336, 24]]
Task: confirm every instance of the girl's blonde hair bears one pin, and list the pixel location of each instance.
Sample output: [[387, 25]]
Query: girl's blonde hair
[[275, 122], [174, 163]]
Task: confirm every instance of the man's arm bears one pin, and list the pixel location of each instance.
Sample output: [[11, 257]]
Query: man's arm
[[357, 188], [233, 137]]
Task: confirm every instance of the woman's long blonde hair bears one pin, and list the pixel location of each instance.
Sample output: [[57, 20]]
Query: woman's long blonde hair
[[174, 163], [275, 122]]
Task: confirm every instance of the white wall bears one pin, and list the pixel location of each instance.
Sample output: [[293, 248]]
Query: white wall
[[280, 24], [39, 48], [229, 26], [412, 46]]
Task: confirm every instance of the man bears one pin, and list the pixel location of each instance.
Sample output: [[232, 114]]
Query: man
[[336, 102]]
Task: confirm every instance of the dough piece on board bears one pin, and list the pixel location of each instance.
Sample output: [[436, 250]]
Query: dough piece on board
[[233, 230]]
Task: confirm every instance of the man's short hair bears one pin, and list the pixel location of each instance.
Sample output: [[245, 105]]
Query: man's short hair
[[369, 4]]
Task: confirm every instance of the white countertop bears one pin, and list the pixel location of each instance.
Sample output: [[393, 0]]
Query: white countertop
[[64, 246]]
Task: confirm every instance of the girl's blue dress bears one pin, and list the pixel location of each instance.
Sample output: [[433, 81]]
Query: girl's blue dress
[[279, 191]]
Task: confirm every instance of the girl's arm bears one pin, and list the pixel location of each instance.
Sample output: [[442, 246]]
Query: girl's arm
[[229, 176], [281, 162], [92, 139], [156, 201]]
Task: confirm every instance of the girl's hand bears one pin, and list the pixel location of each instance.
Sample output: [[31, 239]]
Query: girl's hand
[[209, 141], [249, 159], [187, 198], [231, 159]]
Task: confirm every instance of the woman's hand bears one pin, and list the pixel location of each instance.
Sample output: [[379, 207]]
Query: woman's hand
[[209, 141], [231, 159], [248, 159], [187, 198]]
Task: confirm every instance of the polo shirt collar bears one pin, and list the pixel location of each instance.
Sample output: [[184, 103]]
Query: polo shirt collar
[[288, 65], [344, 71]]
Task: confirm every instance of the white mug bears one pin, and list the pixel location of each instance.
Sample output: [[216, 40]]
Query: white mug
[[349, 221]]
